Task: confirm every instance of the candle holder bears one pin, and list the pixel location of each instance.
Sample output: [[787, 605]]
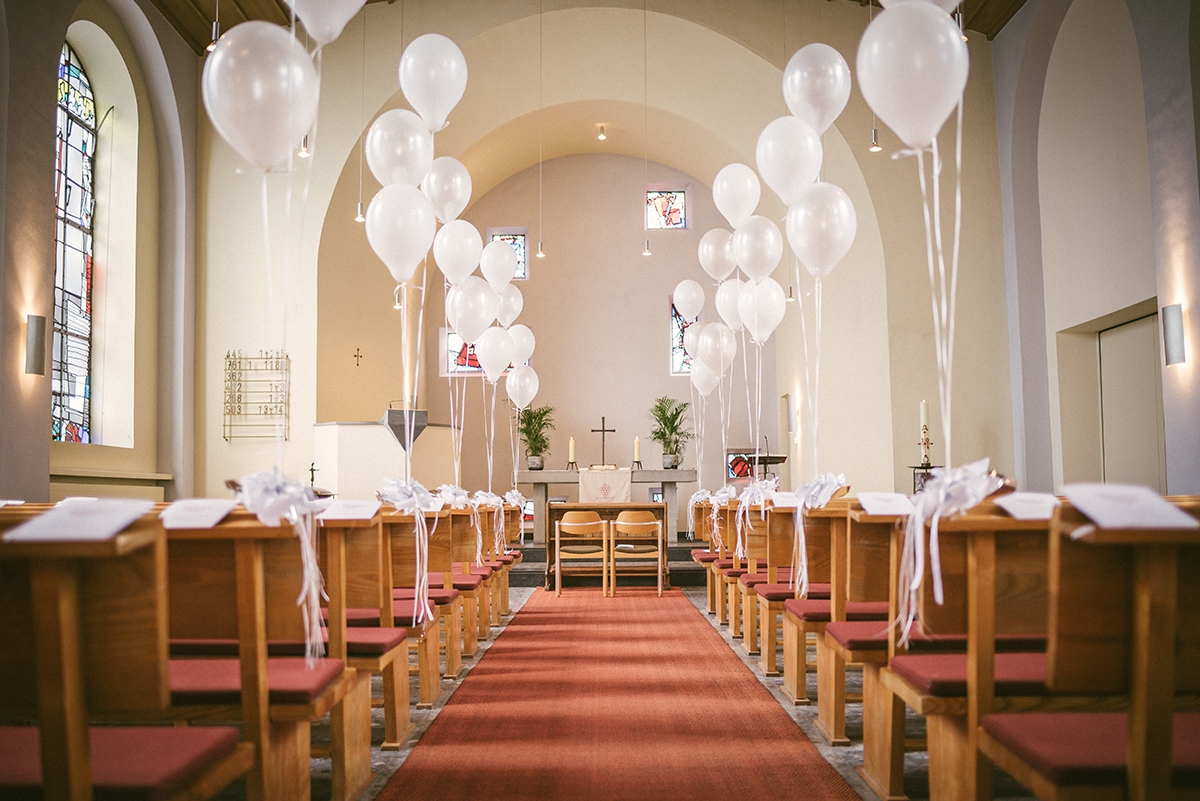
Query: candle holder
[[637, 465], [573, 466]]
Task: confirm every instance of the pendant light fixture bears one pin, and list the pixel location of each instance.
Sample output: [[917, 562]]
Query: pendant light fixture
[[540, 254], [874, 148], [645, 120], [216, 29], [362, 104]]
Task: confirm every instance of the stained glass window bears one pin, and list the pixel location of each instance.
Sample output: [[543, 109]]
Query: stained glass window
[[666, 208], [74, 193], [459, 356], [517, 242], [681, 360]]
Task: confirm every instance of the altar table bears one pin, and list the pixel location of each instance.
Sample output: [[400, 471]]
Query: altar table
[[542, 479]]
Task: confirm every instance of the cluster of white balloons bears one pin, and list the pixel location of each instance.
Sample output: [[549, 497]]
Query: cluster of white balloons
[[820, 225]]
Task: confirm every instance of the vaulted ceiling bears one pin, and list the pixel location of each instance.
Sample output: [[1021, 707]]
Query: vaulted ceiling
[[194, 18]]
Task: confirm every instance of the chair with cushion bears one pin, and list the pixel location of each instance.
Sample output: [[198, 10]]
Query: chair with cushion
[[635, 535], [580, 535]]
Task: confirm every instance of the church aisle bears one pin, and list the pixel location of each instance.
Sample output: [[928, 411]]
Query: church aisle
[[633, 697]]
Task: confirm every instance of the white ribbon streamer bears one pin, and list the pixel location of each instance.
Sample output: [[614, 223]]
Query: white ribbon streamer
[[273, 498], [496, 503], [413, 499], [515, 498], [813, 494], [756, 493], [698, 497], [719, 498], [947, 492]]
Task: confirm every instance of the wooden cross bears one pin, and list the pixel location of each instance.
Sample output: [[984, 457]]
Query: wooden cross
[[312, 474], [602, 431], [357, 356]]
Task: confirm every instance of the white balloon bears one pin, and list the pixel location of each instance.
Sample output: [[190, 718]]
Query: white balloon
[[762, 305], [691, 340], [260, 91], [524, 342], [452, 304], [433, 75], [448, 187], [399, 148], [945, 5], [511, 303], [325, 19], [400, 228], [816, 85], [498, 263], [704, 378], [757, 246], [789, 156], [821, 227], [912, 69], [736, 192], [716, 254], [494, 349], [727, 303], [456, 249], [688, 298], [718, 346], [521, 386], [475, 305]]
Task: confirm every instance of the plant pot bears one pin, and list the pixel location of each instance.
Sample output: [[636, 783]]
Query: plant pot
[[671, 461], [534, 462]]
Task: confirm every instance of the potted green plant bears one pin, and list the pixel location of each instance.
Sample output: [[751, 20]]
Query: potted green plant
[[532, 425], [670, 429]]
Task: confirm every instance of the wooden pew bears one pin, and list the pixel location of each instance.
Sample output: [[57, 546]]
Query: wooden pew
[[240, 580], [702, 530], [728, 531], [754, 536], [356, 550], [462, 554], [822, 527], [85, 634], [858, 575], [1123, 619]]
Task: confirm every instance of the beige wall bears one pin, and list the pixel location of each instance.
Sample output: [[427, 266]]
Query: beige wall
[[1097, 236]]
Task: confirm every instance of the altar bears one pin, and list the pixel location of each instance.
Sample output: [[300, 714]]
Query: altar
[[542, 479]]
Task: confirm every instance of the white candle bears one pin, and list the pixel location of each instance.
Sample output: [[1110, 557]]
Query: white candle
[[924, 415], [637, 449], [571, 450]]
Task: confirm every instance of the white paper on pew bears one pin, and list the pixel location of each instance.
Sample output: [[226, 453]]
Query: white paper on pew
[[1028, 505], [1129, 506], [785, 500], [345, 509], [885, 503], [197, 513], [79, 519], [11, 503]]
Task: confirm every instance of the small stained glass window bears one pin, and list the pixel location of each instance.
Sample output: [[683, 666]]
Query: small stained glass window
[[518, 243], [460, 357], [74, 193], [666, 208], [681, 360]]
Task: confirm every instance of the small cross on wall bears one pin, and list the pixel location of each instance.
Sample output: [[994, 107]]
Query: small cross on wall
[[357, 357]]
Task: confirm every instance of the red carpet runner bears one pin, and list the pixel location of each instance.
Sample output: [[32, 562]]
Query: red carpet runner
[[633, 697]]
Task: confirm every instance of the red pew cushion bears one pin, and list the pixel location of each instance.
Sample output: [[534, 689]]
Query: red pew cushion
[[945, 675], [439, 595], [704, 556], [219, 681], [786, 592], [1088, 748], [129, 763], [461, 583], [360, 641], [869, 635], [819, 611]]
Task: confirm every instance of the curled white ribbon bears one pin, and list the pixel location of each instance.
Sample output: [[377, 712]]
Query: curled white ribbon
[[413, 499], [514, 498], [719, 498], [273, 498], [949, 491], [698, 497], [814, 494], [454, 497], [496, 503], [756, 493]]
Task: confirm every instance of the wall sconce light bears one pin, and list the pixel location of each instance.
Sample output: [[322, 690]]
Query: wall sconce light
[[304, 152], [601, 137], [35, 344], [793, 413], [790, 298], [1172, 323], [646, 252]]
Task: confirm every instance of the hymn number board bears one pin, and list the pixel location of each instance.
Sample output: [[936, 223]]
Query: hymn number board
[[256, 394]]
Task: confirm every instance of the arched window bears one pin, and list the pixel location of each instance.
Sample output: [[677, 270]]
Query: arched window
[[75, 192]]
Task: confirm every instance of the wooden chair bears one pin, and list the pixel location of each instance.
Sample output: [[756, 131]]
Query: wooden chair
[[580, 535], [1123, 619], [85, 633], [641, 538]]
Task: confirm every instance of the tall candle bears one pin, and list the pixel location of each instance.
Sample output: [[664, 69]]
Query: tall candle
[[924, 415], [571, 449], [637, 449]]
